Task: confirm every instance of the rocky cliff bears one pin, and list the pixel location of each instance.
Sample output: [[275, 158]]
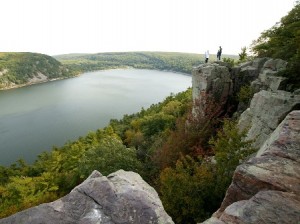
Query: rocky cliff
[[266, 188], [121, 197]]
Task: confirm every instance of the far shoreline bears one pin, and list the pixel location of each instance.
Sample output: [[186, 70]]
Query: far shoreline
[[62, 78], [35, 83]]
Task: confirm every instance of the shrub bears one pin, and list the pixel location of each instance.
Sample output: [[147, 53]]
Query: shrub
[[245, 94]]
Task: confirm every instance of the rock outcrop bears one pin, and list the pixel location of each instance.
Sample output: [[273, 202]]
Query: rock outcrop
[[267, 109], [268, 78], [222, 82], [121, 197], [261, 73], [266, 189], [269, 105], [213, 79], [247, 72]]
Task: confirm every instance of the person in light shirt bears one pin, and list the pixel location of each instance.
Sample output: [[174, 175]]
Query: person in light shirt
[[206, 56]]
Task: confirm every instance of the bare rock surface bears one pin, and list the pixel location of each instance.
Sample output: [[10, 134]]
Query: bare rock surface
[[121, 197], [268, 78], [213, 80], [267, 109]]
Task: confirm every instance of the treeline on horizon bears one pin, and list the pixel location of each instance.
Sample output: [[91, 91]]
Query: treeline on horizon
[[171, 61]]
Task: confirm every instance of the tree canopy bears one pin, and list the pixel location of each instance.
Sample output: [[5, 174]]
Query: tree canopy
[[283, 41]]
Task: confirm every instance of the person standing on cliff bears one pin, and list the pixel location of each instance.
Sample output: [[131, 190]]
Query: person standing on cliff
[[219, 53], [206, 56]]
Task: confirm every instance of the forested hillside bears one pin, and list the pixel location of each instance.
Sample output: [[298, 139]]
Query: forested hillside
[[17, 69], [178, 62]]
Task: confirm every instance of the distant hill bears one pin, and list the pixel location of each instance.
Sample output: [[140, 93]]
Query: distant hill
[[172, 61], [19, 69]]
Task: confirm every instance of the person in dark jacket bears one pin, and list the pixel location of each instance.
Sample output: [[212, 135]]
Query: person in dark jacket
[[219, 53]]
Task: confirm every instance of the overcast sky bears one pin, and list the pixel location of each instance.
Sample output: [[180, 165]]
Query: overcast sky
[[91, 26]]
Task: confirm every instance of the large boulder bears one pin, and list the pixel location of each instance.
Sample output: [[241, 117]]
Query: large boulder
[[266, 188], [267, 109], [121, 197]]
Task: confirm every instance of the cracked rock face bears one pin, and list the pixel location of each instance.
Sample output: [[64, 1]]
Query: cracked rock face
[[212, 78], [121, 197], [266, 111], [266, 188]]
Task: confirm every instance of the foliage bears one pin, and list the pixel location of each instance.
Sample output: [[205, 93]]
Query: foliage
[[243, 56], [187, 190], [180, 62], [54, 174], [24, 192], [109, 156], [147, 131], [190, 135], [245, 94], [230, 149], [19, 68], [230, 61], [194, 188], [283, 41]]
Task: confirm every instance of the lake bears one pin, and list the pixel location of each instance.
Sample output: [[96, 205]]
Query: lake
[[35, 118]]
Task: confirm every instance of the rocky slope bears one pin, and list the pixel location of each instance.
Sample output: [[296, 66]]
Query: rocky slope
[[266, 188], [121, 197], [20, 69]]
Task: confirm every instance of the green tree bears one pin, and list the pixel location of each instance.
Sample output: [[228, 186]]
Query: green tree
[[109, 156], [230, 61], [245, 94], [187, 190], [230, 149], [283, 41], [243, 55]]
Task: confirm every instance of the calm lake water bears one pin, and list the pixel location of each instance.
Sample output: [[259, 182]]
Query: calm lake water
[[35, 118]]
